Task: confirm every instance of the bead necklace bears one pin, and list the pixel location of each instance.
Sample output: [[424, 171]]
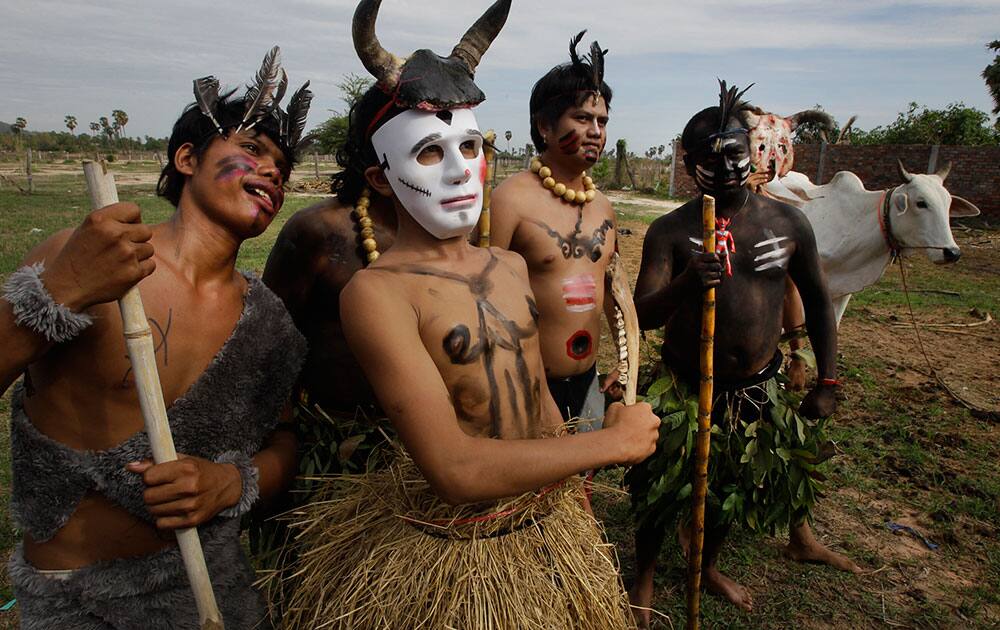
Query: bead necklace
[[559, 189], [366, 226]]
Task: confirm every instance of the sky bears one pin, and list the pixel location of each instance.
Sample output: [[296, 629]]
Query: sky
[[868, 58]]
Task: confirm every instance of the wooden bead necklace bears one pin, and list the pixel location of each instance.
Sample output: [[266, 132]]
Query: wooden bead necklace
[[559, 189], [366, 228]]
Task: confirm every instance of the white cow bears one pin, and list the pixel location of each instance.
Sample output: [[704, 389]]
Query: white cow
[[858, 229]]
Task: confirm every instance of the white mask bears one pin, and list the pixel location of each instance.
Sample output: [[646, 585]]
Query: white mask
[[444, 191]]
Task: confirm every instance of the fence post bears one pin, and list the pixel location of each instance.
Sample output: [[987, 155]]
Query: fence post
[[673, 168], [316, 164], [31, 183], [933, 160], [822, 164], [529, 152]]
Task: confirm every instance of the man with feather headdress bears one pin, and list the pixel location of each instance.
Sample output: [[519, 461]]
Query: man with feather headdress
[[564, 228], [762, 468], [479, 522], [97, 515]]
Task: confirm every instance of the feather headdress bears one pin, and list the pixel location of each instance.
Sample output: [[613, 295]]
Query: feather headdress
[[590, 67], [730, 106], [262, 99]]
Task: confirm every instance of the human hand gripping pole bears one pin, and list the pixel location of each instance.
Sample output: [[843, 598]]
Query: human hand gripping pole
[[704, 428], [139, 341]]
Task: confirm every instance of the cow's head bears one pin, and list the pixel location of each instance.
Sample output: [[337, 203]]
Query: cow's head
[[771, 138], [919, 213]]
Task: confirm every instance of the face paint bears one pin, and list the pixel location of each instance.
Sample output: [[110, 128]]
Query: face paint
[[773, 254], [569, 143], [580, 345], [437, 190], [234, 167], [724, 166], [580, 293]]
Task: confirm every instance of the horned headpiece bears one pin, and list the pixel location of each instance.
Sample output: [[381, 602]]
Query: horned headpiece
[[426, 80], [589, 67], [263, 98], [730, 106]]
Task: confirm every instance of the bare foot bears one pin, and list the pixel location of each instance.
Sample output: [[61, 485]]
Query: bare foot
[[718, 584], [803, 547]]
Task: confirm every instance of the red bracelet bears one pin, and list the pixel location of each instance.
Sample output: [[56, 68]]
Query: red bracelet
[[832, 382]]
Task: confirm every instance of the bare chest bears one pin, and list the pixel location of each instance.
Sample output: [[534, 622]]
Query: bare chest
[[554, 240]]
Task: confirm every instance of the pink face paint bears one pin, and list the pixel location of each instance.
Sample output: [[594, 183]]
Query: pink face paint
[[580, 293], [234, 167], [569, 143], [482, 171], [580, 345]]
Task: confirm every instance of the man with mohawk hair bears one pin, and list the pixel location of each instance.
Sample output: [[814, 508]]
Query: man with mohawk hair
[[564, 228], [97, 514], [762, 467], [479, 522]]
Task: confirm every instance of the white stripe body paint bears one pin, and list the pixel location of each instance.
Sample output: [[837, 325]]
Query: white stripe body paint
[[776, 256]]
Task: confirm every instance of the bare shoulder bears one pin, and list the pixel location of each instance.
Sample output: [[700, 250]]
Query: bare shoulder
[[49, 248], [781, 211], [677, 222], [513, 187], [317, 222], [511, 259], [601, 202]]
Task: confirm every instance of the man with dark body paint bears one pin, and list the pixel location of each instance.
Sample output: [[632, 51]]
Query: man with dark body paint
[[772, 241], [317, 252], [97, 515], [567, 243]]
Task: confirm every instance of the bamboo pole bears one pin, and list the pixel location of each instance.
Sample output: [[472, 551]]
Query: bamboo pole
[[703, 442], [489, 154], [139, 340]]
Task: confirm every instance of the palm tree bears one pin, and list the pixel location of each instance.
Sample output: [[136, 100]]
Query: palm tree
[[17, 128], [96, 128], [991, 74], [121, 118], [70, 123]]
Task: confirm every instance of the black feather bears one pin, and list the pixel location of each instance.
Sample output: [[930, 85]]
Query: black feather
[[259, 93], [573, 43], [206, 94], [730, 103], [597, 65], [298, 108]]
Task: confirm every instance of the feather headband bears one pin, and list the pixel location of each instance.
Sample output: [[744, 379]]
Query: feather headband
[[730, 106], [262, 99], [589, 67]]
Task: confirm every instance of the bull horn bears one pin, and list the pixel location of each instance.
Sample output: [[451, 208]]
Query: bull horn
[[822, 120], [944, 170], [903, 172], [480, 35], [382, 64]]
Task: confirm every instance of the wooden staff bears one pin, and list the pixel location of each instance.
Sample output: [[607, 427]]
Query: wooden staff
[[704, 428], [489, 153], [139, 340], [628, 327]]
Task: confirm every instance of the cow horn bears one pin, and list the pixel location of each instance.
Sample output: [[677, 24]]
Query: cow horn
[[944, 170], [480, 35], [381, 63], [903, 172], [823, 120]]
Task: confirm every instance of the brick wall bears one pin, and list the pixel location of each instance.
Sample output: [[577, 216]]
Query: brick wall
[[975, 171]]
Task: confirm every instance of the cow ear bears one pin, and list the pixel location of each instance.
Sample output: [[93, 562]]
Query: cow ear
[[962, 208], [902, 202]]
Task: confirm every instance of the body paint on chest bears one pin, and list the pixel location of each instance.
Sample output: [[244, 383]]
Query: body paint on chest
[[234, 167], [580, 345], [569, 143], [580, 293], [772, 255]]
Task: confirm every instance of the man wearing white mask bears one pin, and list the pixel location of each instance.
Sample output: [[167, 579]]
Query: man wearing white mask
[[479, 522]]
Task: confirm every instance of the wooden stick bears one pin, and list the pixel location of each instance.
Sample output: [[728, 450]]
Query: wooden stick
[[489, 154], [704, 428], [139, 340]]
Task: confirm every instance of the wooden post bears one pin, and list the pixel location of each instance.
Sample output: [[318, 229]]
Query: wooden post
[[529, 152], [822, 163], [703, 443], [27, 170], [316, 163], [673, 168], [933, 159], [139, 341]]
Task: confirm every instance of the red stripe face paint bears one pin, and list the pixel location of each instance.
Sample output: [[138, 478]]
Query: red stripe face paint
[[580, 345], [234, 167], [482, 170], [569, 143], [580, 293]]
